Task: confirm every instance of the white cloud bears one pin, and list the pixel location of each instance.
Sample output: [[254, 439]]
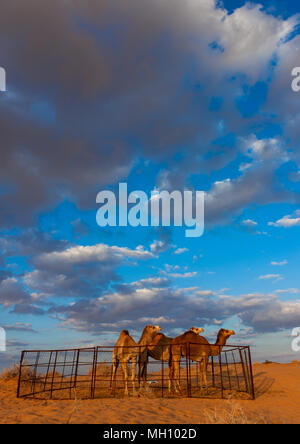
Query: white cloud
[[287, 221], [181, 250], [188, 306], [204, 292], [249, 223], [287, 291], [183, 275], [159, 246], [276, 277], [264, 149], [153, 282], [79, 270], [280, 264], [85, 254]]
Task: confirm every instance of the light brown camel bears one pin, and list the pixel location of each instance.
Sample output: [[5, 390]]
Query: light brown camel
[[126, 350], [198, 349], [159, 349]]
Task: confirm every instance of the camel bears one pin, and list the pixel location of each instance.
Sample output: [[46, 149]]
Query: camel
[[125, 350], [159, 349], [196, 348]]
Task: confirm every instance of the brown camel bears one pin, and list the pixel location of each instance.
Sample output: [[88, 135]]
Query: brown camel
[[126, 349], [159, 349], [198, 349]]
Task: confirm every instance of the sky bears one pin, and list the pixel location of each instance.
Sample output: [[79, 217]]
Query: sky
[[172, 95]]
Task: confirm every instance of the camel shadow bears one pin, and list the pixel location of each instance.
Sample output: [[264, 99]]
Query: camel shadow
[[262, 383]]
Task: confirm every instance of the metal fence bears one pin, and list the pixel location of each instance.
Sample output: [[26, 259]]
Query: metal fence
[[87, 373]]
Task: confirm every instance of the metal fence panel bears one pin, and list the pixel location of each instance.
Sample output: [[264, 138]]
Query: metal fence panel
[[88, 373]]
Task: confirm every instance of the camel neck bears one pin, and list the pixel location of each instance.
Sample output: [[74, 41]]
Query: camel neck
[[145, 339], [218, 346]]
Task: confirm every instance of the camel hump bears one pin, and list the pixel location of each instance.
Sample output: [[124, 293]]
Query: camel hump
[[188, 334], [124, 333]]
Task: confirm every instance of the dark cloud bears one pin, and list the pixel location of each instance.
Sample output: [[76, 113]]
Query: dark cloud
[[29, 242], [20, 327], [177, 309], [79, 270], [92, 84]]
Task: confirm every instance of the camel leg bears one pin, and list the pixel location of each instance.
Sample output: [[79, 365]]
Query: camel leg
[[201, 374], [113, 374], [125, 376], [205, 362], [199, 371], [143, 361], [169, 382], [133, 371], [171, 377], [175, 374]]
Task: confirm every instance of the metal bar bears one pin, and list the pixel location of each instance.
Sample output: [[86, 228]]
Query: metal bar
[[35, 371], [248, 373], [20, 372], [53, 372], [244, 372], [251, 374], [162, 372], [213, 371], [228, 373], [186, 368], [94, 370], [236, 374], [47, 372], [189, 372], [76, 368], [221, 374], [179, 370], [71, 377], [63, 371]]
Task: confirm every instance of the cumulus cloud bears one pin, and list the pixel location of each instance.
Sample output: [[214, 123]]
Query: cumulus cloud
[[77, 108], [79, 269], [188, 274], [181, 250], [159, 246], [230, 196], [288, 291], [151, 282], [179, 308], [287, 221], [86, 254], [249, 223], [14, 297], [275, 277], [20, 326], [280, 263], [264, 149]]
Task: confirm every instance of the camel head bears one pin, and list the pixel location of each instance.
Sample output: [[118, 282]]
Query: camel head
[[152, 330], [197, 330], [226, 333]]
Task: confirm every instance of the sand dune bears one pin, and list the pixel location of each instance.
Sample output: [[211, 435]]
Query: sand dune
[[277, 390]]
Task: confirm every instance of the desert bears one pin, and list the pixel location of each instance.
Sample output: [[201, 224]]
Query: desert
[[277, 402]]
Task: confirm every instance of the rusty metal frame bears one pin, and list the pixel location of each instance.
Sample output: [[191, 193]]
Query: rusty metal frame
[[45, 373]]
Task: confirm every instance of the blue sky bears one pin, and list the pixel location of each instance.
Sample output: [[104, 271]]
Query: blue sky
[[180, 95]]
